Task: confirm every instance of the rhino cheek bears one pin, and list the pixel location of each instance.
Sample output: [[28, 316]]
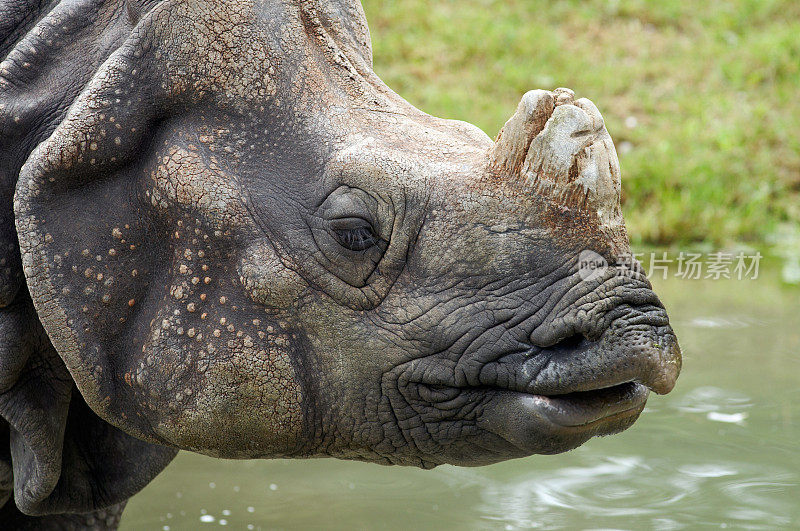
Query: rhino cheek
[[227, 365], [267, 280], [248, 405]]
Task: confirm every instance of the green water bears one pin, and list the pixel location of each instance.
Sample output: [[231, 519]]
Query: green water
[[721, 451]]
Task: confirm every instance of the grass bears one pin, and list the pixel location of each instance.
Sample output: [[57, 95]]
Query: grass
[[701, 98]]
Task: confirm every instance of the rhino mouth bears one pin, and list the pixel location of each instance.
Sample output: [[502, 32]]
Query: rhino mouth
[[513, 423], [544, 400], [604, 410], [590, 409], [594, 387], [577, 409]]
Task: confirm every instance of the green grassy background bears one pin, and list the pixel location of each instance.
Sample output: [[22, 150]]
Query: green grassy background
[[702, 98]]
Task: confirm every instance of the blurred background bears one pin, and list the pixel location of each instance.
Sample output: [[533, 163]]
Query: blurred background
[[702, 100]]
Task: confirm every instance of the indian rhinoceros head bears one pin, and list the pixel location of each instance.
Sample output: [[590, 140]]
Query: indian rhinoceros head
[[242, 243]]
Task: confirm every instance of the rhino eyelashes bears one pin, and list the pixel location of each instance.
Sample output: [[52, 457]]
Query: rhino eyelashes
[[355, 234], [359, 239]]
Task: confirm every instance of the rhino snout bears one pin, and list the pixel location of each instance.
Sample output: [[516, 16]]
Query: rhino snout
[[622, 336], [625, 353]]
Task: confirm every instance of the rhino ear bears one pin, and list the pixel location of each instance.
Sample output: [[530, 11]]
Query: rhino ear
[[61, 457], [83, 240], [131, 226], [56, 454]]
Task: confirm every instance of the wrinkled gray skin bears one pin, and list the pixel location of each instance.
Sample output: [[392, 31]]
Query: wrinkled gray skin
[[236, 240]]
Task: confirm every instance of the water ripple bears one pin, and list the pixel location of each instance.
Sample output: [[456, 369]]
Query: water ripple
[[731, 323], [713, 399], [645, 492]]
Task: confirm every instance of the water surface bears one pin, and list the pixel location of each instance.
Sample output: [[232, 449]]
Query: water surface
[[721, 451]]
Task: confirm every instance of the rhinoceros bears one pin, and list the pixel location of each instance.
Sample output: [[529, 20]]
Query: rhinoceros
[[222, 232]]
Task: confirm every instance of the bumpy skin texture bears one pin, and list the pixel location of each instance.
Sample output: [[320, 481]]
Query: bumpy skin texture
[[240, 242]]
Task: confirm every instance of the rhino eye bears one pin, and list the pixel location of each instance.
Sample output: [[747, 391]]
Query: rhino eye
[[355, 234]]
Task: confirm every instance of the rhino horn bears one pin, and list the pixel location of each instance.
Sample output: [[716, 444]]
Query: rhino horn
[[515, 137], [559, 147]]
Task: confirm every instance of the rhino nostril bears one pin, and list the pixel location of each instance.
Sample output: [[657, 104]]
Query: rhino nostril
[[570, 342], [565, 344]]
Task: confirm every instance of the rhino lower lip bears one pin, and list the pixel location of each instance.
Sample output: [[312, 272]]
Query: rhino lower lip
[[587, 408], [535, 424], [599, 409]]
